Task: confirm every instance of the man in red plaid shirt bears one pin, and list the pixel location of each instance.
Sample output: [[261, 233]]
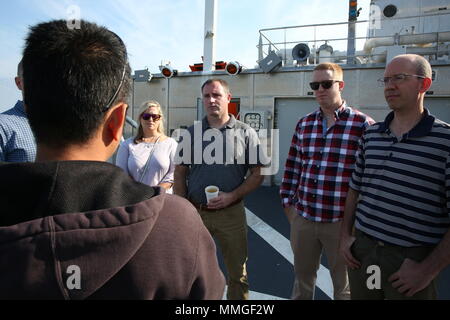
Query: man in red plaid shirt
[[315, 183]]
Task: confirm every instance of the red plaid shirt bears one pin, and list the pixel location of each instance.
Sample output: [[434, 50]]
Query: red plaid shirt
[[318, 168]]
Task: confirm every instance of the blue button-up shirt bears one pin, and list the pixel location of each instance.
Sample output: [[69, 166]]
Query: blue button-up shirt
[[17, 142]]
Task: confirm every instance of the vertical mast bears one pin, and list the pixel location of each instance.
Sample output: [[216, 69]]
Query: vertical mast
[[210, 33]]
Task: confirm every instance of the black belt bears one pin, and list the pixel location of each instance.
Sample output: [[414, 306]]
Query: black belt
[[381, 243], [378, 242], [387, 244], [204, 207]]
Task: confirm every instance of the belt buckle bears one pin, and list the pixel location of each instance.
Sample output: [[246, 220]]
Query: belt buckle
[[380, 243]]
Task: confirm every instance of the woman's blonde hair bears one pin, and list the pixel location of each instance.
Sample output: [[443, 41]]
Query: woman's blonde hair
[[142, 109]]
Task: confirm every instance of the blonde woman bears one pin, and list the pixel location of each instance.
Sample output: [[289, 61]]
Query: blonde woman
[[149, 156]]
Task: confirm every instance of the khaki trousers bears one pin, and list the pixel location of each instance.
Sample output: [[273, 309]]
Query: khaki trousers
[[229, 227], [308, 239]]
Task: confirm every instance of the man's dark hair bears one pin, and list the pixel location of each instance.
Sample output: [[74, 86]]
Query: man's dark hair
[[224, 84], [71, 77]]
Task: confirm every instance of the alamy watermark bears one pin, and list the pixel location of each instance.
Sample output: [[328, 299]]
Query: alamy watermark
[[73, 17], [235, 146], [373, 282], [73, 282]]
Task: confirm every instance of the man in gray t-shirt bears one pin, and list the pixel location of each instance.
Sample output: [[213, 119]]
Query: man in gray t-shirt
[[220, 151]]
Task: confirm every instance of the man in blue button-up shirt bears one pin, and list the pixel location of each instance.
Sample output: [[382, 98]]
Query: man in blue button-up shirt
[[16, 138]]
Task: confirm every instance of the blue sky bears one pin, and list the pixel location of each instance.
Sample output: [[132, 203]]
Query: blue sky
[[156, 30]]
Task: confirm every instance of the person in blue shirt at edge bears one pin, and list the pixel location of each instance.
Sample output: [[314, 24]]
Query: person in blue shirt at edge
[[16, 138]]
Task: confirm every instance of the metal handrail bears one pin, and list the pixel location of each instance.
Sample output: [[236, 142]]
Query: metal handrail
[[359, 21], [314, 40], [310, 25], [268, 42], [319, 40]]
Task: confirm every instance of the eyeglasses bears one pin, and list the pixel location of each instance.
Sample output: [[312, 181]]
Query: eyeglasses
[[397, 78], [117, 91], [325, 84], [122, 79], [147, 116]]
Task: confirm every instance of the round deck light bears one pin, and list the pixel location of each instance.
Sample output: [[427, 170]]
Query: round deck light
[[233, 68], [168, 72]]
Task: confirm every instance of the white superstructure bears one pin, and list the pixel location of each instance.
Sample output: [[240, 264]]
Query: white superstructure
[[279, 97]]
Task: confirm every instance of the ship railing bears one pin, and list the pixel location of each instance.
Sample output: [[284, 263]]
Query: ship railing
[[282, 39]]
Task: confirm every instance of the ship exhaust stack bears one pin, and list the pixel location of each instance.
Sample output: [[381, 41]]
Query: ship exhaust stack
[[210, 35]]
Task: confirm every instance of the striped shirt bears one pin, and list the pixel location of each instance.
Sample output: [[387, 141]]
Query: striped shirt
[[16, 138], [404, 185], [319, 166]]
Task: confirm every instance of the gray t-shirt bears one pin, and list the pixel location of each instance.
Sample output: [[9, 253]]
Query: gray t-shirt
[[219, 157]]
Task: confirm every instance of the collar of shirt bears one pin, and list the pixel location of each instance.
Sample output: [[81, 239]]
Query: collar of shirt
[[20, 108], [421, 129], [338, 113], [229, 125]]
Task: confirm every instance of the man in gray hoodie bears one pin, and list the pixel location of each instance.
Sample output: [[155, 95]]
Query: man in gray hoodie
[[73, 226]]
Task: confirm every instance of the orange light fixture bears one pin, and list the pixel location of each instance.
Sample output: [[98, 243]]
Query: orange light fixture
[[233, 68], [168, 72]]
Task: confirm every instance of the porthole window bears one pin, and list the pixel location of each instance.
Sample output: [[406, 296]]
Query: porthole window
[[390, 11]]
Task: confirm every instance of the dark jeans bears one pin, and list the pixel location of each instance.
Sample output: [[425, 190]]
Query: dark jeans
[[389, 258]]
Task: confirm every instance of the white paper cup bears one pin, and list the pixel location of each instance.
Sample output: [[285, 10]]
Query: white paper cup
[[211, 192]]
